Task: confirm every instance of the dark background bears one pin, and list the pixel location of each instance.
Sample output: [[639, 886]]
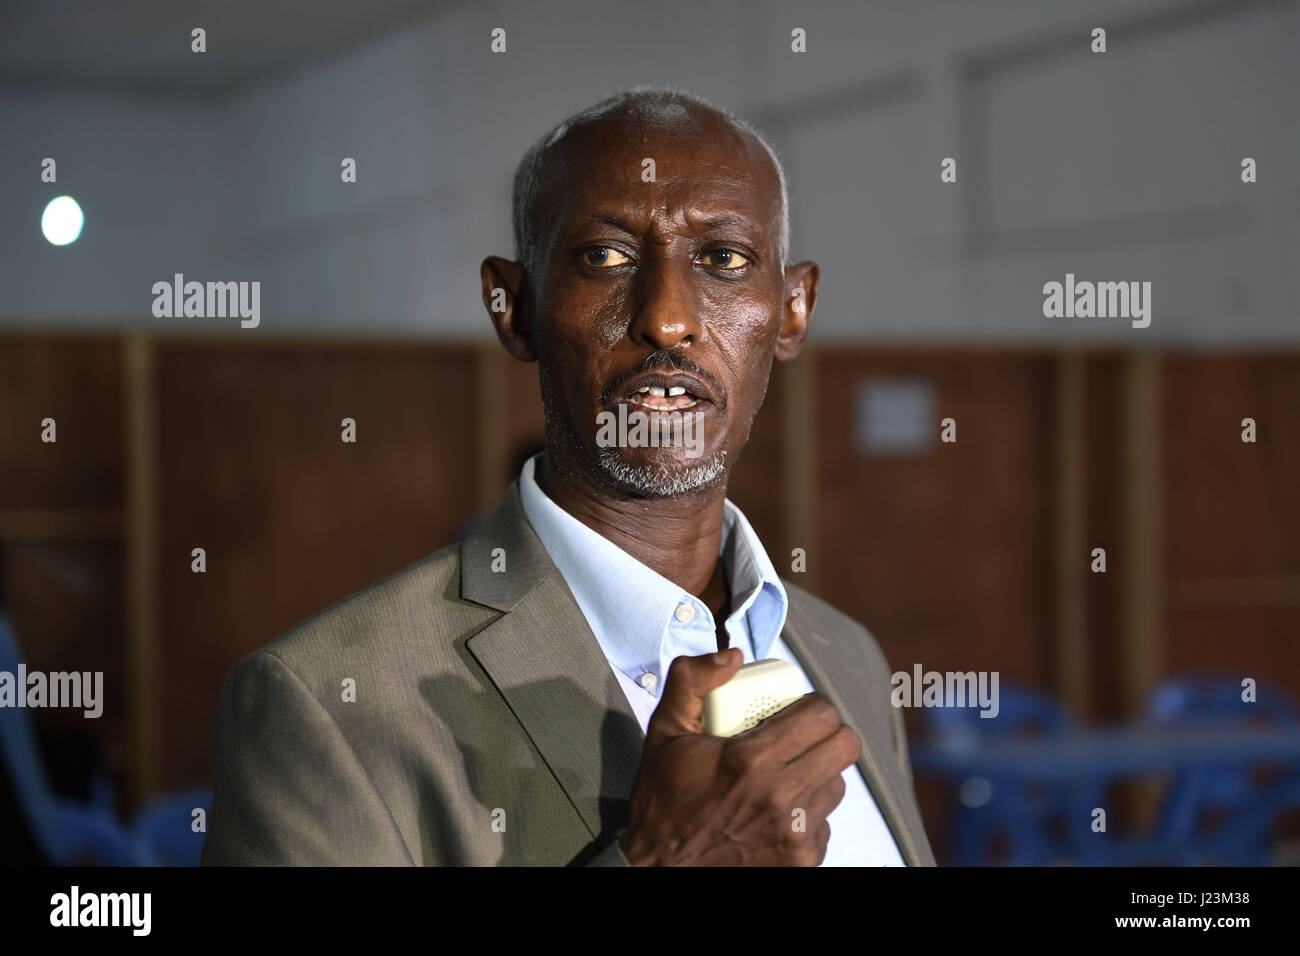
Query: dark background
[[1072, 434]]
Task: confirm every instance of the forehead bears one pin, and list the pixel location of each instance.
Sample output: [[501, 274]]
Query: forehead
[[703, 166]]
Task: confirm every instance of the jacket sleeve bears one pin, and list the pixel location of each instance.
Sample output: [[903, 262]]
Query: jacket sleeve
[[288, 789]]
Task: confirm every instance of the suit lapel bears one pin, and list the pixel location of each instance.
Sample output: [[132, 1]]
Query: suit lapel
[[545, 661], [821, 658]]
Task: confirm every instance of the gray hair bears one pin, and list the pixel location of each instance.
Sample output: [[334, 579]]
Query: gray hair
[[662, 104]]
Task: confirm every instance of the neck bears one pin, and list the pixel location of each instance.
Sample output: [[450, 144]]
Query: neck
[[678, 538]]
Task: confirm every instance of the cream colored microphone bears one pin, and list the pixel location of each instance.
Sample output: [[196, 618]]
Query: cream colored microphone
[[758, 691]]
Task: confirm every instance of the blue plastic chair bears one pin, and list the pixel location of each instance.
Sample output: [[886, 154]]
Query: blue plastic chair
[[1038, 822], [1249, 839], [1246, 808], [166, 827]]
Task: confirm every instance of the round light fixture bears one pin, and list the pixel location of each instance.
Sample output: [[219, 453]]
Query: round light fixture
[[62, 220]]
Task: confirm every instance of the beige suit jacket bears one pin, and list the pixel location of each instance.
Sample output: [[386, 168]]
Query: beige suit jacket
[[484, 725]]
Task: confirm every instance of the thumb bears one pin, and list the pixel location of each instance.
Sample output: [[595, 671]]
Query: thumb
[[681, 706]]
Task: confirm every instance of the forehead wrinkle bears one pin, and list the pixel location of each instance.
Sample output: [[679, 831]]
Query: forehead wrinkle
[[701, 212], [580, 164], [636, 222]]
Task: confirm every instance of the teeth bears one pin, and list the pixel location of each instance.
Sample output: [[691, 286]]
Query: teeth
[[676, 390], [656, 391], [642, 391]]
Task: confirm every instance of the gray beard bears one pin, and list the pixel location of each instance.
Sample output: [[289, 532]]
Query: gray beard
[[655, 481], [648, 481]]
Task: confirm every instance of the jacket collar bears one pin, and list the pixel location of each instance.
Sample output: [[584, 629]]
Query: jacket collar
[[545, 661]]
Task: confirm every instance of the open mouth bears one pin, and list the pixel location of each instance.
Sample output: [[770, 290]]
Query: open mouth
[[672, 392], [660, 399]]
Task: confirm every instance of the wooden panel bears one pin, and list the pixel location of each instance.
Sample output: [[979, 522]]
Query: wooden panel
[[1104, 524], [1236, 506], [523, 425], [1070, 482], [77, 381], [1233, 552], [758, 485], [251, 467], [946, 555], [1247, 642]]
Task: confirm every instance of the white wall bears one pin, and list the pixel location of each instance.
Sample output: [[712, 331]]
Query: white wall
[[149, 179], [1122, 166]]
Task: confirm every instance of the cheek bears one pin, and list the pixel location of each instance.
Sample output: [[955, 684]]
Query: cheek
[[590, 322], [571, 369], [744, 341], [608, 319], [742, 317]]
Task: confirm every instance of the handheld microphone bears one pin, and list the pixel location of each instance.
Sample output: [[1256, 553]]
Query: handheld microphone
[[759, 690]]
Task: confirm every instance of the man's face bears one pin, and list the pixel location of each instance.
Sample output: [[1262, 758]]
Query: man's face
[[667, 297]]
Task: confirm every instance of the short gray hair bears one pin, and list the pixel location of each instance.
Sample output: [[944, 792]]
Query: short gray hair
[[664, 104]]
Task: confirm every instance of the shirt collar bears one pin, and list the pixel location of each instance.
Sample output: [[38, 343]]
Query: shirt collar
[[630, 606]]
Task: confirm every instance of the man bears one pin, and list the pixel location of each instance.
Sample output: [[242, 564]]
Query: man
[[534, 695]]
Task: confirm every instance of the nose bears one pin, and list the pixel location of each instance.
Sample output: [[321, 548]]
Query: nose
[[667, 311]]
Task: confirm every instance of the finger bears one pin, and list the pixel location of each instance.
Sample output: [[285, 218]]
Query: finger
[[681, 707], [823, 842], [813, 805], [824, 800], [790, 733], [828, 759]]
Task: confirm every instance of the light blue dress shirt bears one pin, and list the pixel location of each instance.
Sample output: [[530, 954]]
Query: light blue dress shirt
[[642, 621]]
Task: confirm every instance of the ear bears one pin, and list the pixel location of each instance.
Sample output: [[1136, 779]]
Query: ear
[[797, 309], [507, 297]]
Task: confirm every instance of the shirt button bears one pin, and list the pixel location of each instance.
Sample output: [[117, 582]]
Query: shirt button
[[648, 680], [685, 613]]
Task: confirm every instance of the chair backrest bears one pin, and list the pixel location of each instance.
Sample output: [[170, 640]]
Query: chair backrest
[[1022, 712], [1191, 698], [166, 827], [1030, 819]]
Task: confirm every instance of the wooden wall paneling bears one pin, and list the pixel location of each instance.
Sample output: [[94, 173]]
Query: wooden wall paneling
[[1070, 656], [76, 380], [490, 409], [251, 467], [1139, 562], [141, 578], [1104, 490], [61, 528], [760, 481], [1232, 550], [947, 555], [523, 422]]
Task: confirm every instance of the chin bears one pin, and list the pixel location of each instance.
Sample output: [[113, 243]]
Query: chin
[[665, 478]]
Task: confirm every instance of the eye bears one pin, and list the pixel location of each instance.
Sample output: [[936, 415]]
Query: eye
[[728, 260], [602, 256]]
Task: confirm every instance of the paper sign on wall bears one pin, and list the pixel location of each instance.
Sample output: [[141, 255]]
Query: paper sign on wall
[[895, 416]]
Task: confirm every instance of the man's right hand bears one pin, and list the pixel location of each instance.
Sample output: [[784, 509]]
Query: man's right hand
[[701, 800]]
